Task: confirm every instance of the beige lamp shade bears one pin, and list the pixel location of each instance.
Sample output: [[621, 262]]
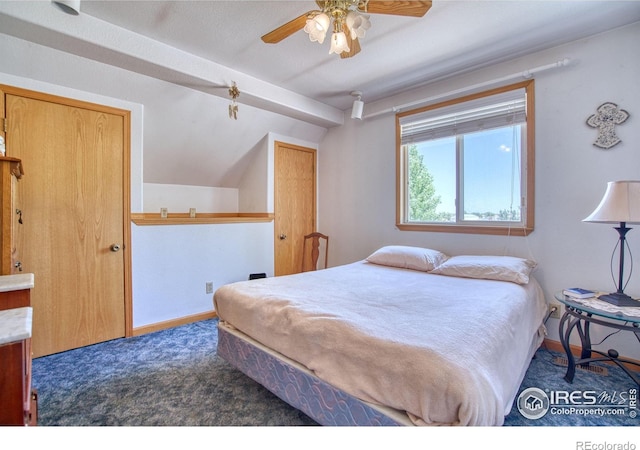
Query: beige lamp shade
[[621, 203]]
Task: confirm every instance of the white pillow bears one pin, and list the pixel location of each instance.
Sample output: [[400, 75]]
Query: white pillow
[[415, 258], [501, 268]]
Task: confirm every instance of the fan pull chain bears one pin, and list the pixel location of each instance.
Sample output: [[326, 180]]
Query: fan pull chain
[[234, 92]]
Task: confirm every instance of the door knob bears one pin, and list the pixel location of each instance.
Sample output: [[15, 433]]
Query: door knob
[[283, 237], [115, 247]]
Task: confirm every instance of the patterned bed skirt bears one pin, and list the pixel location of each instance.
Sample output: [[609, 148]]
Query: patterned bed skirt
[[299, 388]]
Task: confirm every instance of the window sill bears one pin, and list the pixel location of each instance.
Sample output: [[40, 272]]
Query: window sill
[[201, 218], [468, 229]]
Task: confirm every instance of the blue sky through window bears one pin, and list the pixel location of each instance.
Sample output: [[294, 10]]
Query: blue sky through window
[[491, 170]]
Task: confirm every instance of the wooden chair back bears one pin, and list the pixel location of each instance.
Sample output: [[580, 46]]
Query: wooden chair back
[[313, 244]]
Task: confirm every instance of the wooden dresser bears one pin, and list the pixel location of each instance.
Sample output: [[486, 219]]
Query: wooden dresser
[[18, 400]]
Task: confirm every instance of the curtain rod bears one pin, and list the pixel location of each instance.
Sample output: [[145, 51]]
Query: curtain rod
[[527, 74]]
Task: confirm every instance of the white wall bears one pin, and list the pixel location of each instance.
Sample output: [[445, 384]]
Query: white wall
[[172, 263], [358, 203], [179, 198], [255, 190]]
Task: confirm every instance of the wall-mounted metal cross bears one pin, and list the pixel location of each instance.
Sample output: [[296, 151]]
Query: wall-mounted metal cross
[[605, 120]]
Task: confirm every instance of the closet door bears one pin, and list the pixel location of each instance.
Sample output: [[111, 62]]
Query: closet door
[[295, 204], [74, 222]]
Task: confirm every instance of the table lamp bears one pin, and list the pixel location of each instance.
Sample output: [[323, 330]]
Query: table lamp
[[620, 205]]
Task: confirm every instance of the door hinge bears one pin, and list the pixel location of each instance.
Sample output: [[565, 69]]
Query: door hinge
[[4, 124]]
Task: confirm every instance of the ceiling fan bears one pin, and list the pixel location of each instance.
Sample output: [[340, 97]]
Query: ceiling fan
[[350, 22]]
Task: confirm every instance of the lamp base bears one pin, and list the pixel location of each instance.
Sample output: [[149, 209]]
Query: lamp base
[[619, 299]]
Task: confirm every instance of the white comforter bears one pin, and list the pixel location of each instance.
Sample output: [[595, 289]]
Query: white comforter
[[447, 350]]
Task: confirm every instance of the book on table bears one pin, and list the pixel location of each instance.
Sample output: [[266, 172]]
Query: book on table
[[579, 293]]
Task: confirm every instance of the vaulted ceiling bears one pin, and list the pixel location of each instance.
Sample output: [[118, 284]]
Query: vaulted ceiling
[[397, 52]]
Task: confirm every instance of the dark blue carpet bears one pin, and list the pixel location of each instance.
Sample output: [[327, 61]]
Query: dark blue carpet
[[598, 400], [174, 378], [168, 378]]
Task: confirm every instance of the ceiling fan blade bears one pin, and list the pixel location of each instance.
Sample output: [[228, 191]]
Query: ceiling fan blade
[[287, 29], [398, 8], [354, 49], [354, 45]]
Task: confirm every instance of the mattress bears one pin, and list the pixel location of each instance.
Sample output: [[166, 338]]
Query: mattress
[[445, 350]]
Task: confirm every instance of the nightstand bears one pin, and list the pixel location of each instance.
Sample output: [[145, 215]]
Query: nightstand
[[579, 315]]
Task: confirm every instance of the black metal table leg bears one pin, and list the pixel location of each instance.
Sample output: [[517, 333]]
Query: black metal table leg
[[585, 339], [567, 324]]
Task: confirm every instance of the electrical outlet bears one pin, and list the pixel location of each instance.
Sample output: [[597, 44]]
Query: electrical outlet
[[558, 308], [209, 287]]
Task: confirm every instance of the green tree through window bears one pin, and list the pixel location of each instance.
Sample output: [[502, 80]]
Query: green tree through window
[[423, 200]]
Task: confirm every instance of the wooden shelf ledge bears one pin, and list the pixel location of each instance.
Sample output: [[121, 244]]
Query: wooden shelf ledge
[[201, 218]]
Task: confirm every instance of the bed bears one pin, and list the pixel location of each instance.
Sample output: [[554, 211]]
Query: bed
[[408, 336]]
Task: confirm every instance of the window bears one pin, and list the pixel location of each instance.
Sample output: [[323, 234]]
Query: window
[[467, 165]]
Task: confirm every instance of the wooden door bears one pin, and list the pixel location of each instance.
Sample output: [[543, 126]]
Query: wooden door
[[295, 204], [74, 235]]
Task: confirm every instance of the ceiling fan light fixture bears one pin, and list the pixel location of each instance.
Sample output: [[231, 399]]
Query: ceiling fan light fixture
[[358, 24], [350, 18], [339, 43], [317, 27]]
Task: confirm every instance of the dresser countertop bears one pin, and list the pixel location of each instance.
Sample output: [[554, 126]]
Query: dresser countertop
[[15, 324], [16, 282]]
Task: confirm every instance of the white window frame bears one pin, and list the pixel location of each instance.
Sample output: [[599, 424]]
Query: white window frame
[[527, 167]]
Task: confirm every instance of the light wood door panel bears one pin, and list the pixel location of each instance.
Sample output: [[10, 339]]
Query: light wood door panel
[[295, 204], [72, 203]]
